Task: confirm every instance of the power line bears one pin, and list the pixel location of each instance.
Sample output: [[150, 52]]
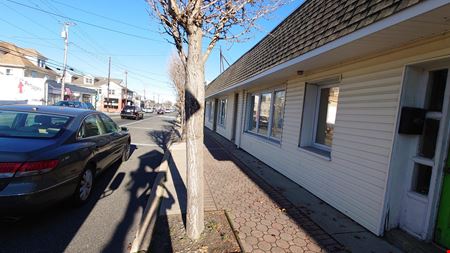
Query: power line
[[104, 17], [86, 23]]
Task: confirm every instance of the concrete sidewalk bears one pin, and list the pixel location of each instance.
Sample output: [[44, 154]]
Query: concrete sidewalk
[[269, 212]]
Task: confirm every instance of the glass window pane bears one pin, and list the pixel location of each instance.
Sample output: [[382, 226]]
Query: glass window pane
[[327, 115], [264, 113], [222, 111], [422, 177], [277, 119], [110, 126], [428, 140], [212, 111], [254, 104], [436, 90], [93, 127]]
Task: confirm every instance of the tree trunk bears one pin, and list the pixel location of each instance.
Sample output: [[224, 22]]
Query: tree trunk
[[194, 100]]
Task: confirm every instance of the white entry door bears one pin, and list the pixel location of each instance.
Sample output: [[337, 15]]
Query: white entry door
[[422, 168]]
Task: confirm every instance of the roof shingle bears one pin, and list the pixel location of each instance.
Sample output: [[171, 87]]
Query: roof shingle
[[312, 25]]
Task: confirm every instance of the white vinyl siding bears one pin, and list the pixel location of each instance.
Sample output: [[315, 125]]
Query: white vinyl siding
[[353, 181]]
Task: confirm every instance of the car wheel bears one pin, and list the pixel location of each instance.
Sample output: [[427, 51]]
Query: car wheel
[[84, 187], [126, 152]]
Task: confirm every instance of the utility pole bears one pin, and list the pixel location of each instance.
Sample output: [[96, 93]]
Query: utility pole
[[65, 36], [126, 88], [222, 60], [109, 78]]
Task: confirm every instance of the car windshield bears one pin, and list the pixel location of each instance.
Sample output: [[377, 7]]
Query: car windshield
[[31, 125], [128, 107]]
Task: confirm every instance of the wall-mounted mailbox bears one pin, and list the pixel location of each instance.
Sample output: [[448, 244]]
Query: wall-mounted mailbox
[[412, 120]]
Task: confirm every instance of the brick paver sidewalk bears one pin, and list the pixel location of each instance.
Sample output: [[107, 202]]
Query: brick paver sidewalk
[[263, 219]]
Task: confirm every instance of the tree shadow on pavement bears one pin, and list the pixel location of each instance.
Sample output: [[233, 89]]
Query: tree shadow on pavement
[[138, 185]]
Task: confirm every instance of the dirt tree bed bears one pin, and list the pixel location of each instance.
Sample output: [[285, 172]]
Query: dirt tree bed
[[170, 235]]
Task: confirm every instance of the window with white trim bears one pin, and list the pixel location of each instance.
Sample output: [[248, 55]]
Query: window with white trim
[[88, 80], [222, 112], [319, 117], [265, 113], [8, 72]]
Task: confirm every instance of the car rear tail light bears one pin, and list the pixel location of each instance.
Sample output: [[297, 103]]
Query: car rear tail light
[[8, 169], [26, 168]]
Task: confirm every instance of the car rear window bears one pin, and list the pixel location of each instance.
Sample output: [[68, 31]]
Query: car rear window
[[69, 104], [31, 125], [128, 107]]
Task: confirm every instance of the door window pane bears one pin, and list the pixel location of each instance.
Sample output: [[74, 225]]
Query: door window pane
[[92, 127], [277, 119], [254, 104], [326, 118], [422, 177], [436, 90], [428, 140], [110, 126], [263, 122]]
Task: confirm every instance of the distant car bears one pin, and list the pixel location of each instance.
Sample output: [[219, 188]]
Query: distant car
[[75, 104], [168, 110], [148, 110], [133, 112], [50, 153], [160, 111]]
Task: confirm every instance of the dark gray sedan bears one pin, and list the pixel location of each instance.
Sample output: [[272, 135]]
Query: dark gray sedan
[[50, 153]]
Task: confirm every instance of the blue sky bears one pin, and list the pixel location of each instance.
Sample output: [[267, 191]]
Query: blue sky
[[145, 55]]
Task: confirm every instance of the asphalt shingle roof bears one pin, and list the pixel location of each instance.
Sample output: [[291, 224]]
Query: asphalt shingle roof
[[12, 55], [314, 24]]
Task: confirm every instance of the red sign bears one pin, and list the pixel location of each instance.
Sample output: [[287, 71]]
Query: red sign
[[20, 87]]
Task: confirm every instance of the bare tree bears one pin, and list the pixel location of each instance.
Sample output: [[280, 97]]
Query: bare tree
[[190, 23], [177, 75]]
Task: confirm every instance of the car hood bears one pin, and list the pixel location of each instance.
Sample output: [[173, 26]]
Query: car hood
[[20, 149]]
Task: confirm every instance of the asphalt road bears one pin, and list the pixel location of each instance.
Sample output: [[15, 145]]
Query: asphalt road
[[108, 222]]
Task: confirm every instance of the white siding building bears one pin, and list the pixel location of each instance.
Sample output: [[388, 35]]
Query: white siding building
[[353, 105]]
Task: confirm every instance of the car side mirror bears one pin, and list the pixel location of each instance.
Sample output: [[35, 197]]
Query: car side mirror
[[125, 129]]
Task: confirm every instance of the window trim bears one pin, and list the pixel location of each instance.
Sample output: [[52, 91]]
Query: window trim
[[249, 113]]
